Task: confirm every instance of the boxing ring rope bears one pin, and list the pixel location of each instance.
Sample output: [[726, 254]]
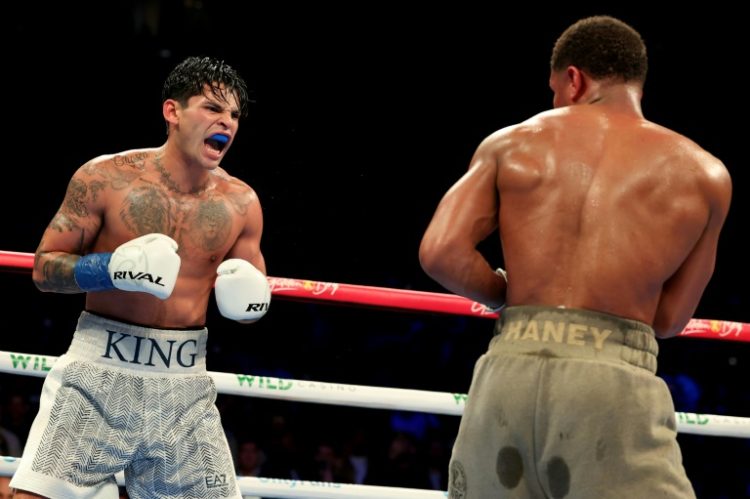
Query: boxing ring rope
[[404, 299], [366, 396], [373, 397]]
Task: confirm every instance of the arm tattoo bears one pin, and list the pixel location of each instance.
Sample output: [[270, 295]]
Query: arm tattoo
[[58, 274], [96, 186], [62, 223], [75, 198]]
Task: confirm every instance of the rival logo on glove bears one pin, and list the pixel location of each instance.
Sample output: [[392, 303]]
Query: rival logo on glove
[[136, 276], [242, 291], [257, 307]]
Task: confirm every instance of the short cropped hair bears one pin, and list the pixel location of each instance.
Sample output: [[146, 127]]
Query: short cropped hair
[[191, 76], [604, 47]]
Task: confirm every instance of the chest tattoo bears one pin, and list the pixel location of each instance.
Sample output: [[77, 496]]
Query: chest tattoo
[[146, 210], [210, 224]]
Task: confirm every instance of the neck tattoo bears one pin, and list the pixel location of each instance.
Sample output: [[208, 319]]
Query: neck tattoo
[[166, 179]]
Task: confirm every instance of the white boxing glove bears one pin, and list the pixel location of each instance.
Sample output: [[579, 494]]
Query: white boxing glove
[[148, 263], [242, 291]]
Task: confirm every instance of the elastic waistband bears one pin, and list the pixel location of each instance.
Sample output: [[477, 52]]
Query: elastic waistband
[[569, 332], [137, 348]]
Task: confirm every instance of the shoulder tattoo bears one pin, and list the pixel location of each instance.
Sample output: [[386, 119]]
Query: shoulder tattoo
[[240, 201]]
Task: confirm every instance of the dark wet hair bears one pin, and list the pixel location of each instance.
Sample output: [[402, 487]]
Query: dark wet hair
[[604, 47], [191, 76]]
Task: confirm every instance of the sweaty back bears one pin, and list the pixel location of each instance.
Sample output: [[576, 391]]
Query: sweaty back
[[597, 209]]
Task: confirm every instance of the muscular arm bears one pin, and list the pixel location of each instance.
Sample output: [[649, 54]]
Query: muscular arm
[[247, 245], [71, 231], [466, 215], [683, 290]]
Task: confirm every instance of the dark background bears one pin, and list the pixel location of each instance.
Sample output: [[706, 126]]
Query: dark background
[[364, 117]]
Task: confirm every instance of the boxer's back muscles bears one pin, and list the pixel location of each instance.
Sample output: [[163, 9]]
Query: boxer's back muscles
[[589, 196]]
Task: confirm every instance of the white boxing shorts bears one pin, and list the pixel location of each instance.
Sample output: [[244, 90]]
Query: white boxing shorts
[[133, 399]]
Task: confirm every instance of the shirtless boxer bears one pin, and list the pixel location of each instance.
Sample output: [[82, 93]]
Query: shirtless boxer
[[609, 226], [146, 233]]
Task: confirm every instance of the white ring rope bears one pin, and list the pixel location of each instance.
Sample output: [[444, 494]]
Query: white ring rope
[[451, 404], [248, 385], [286, 488]]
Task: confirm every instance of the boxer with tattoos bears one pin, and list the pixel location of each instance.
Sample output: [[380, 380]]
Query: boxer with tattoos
[[147, 234]]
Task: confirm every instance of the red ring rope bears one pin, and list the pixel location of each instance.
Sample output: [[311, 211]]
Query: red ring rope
[[403, 299]]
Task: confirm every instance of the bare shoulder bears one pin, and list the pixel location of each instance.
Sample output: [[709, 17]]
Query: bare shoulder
[[689, 159], [715, 177], [713, 168], [119, 165], [228, 183], [237, 191], [515, 144], [690, 155], [536, 127]]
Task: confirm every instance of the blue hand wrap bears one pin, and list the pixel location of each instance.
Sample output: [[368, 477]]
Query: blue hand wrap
[[92, 272]]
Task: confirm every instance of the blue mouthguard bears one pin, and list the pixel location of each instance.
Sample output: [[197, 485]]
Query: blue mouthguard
[[220, 138]]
